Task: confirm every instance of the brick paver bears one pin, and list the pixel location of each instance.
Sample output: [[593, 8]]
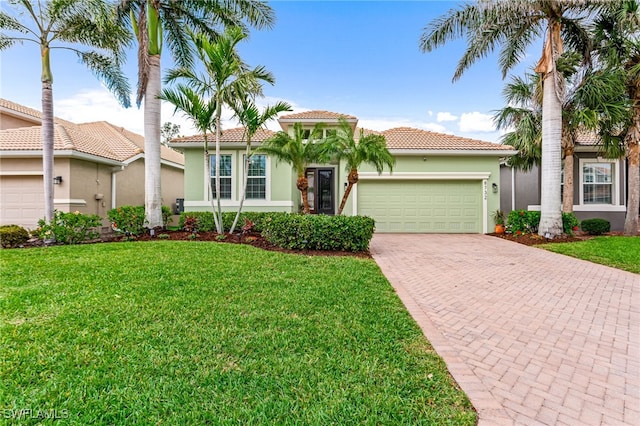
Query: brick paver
[[532, 337]]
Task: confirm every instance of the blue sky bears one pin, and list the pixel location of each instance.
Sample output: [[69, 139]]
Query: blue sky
[[354, 57]]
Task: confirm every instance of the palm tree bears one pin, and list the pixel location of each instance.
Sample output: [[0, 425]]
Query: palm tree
[[371, 149], [514, 25], [226, 79], [201, 113], [592, 98], [69, 25], [618, 49], [253, 120], [153, 22], [300, 151]]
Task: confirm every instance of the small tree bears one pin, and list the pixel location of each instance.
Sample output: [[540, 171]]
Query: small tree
[[299, 151], [169, 131], [253, 120], [370, 149]]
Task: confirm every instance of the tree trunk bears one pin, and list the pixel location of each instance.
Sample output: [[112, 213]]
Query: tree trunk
[[303, 185], [352, 179], [218, 212], [245, 179], [47, 134], [152, 166], [207, 173], [551, 167], [47, 149], [633, 159], [567, 195]]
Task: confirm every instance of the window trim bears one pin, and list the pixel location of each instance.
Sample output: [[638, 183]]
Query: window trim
[[267, 178], [234, 196], [615, 185]]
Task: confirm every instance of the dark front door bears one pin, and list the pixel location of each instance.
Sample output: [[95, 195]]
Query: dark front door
[[321, 191]]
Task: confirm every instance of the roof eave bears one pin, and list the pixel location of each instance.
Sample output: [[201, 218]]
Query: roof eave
[[454, 152], [60, 154]]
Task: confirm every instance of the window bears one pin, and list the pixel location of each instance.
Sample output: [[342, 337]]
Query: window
[[257, 179], [597, 183], [225, 176]]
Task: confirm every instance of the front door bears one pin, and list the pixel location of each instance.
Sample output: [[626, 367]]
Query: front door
[[321, 191]]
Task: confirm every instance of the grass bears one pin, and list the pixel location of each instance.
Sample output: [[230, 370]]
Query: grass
[[174, 332], [618, 252]]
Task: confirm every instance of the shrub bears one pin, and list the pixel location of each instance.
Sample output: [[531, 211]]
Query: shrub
[[596, 226], [128, 220], [166, 216], [569, 221], [319, 232], [527, 222], [523, 221], [13, 236], [70, 228], [205, 223]]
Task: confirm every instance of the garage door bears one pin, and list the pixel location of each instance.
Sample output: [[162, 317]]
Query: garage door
[[422, 206], [21, 200]]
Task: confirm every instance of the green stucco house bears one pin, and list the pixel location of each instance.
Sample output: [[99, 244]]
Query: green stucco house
[[440, 184]]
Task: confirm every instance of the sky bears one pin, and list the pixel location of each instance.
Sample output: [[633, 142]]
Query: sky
[[360, 58]]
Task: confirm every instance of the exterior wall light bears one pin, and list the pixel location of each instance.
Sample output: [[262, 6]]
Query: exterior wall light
[[57, 180], [494, 187]]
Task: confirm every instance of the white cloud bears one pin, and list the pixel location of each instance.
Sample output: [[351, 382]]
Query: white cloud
[[430, 113], [476, 122], [446, 116]]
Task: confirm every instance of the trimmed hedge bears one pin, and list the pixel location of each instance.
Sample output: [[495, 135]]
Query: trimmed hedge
[[596, 226], [294, 230], [526, 222], [204, 220], [319, 232], [70, 228], [13, 236]]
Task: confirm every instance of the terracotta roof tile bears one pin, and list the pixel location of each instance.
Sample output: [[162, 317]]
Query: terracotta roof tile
[[228, 136], [8, 106], [410, 138], [317, 115], [98, 138]]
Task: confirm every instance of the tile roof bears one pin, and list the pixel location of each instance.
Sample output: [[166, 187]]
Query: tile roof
[[8, 106], [410, 138], [317, 115], [228, 136], [98, 138]]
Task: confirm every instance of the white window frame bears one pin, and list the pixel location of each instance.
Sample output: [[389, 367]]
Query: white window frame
[[234, 195], [267, 178], [615, 186]]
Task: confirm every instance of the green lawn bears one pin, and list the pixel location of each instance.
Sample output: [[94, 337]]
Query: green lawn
[[206, 333], [618, 252]]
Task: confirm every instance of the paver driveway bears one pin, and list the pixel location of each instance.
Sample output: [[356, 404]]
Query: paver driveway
[[532, 337]]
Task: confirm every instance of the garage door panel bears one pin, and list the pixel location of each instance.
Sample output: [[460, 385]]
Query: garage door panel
[[422, 206], [21, 200]]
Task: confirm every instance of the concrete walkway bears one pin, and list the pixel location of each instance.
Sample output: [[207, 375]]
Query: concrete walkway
[[532, 337]]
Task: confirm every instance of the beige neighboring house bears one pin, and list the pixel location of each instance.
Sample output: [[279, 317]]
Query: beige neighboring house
[[97, 166]]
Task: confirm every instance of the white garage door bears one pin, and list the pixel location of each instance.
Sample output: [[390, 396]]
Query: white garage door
[[21, 200], [422, 206]]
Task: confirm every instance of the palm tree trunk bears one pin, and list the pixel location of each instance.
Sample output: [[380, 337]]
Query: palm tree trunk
[[352, 179], [218, 212], [567, 195], [303, 185], [551, 167], [633, 158], [207, 172], [47, 148], [245, 179], [152, 166]]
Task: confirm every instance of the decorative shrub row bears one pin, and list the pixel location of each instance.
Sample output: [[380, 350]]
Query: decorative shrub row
[[13, 236], [596, 226], [203, 221], [293, 231], [130, 220], [319, 232], [527, 222], [70, 228]]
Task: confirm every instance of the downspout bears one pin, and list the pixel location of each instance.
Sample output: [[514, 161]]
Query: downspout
[[114, 170], [513, 188]]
